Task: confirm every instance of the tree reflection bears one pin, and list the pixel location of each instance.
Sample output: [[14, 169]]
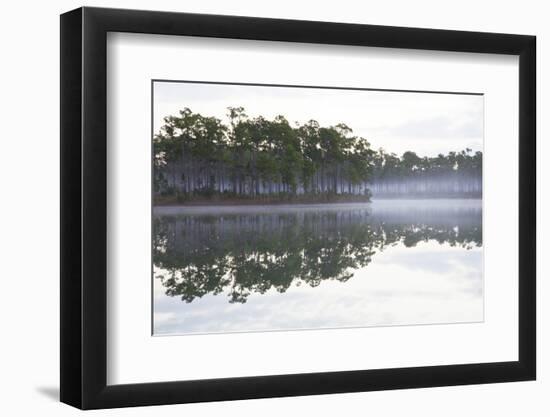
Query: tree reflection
[[243, 253]]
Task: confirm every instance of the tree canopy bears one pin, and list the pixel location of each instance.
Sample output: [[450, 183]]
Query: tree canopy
[[254, 157]]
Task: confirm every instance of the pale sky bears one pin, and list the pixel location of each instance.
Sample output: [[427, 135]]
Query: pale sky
[[425, 123]]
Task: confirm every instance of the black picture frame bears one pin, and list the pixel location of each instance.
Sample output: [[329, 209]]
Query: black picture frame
[[84, 208]]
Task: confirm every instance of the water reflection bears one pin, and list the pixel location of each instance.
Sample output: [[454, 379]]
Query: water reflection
[[237, 252]]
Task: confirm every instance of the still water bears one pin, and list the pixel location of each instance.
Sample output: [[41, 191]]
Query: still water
[[261, 268]]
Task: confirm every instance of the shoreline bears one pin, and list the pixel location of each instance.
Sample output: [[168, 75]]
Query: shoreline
[[298, 202], [433, 203], [168, 202]]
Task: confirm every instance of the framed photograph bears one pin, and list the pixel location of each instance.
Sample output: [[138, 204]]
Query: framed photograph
[[256, 208]]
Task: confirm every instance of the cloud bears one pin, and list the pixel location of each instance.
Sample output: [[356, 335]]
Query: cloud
[[440, 127]]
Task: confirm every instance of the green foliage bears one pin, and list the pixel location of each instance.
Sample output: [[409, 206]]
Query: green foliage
[[389, 165], [200, 156], [255, 156]]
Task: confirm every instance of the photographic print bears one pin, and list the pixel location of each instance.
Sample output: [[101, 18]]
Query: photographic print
[[300, 207]]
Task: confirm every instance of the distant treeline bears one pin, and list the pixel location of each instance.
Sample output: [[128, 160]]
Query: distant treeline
[[200, 157], [454, 174]]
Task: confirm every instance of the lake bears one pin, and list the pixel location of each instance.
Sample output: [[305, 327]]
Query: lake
[[288, 267]]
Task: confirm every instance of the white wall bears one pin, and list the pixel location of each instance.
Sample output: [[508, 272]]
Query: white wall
[[29, 221]]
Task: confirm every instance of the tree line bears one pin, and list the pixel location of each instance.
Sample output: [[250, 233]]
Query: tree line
[[198, 156], [457, 173]]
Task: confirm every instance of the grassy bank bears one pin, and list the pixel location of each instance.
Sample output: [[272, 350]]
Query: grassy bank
[[171, 200]]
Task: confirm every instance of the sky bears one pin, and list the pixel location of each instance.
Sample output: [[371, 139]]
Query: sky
[[425, 123]]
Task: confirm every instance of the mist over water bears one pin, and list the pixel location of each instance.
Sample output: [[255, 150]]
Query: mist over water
[[277, 267]]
